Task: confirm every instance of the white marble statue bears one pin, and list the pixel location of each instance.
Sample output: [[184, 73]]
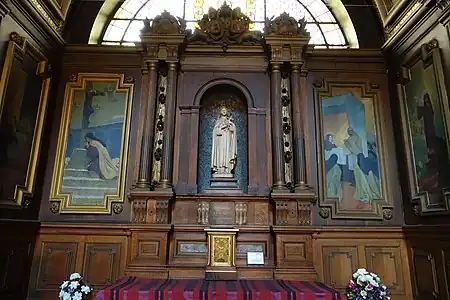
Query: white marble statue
[[224, 145]]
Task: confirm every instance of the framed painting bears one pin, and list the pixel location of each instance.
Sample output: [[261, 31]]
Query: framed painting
[[24, 88], [351, 158], [425, 116], [92, 151]]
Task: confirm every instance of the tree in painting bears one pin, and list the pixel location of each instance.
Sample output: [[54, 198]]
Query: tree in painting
[[94, 143], [427, 131], [350, 152]]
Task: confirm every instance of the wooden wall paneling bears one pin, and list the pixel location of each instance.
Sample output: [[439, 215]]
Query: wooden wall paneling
[[294, 254], [104, 259], [429, 251], [55, 258], [97, 252], [339, 252], [425, 274], [188, 252], [16, 255], [149, 249]]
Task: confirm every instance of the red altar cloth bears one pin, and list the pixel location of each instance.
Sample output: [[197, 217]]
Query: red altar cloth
[[133, 288]]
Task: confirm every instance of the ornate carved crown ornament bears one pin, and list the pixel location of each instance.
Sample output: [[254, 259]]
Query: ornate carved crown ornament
[[225, 26], [285, 25], [161, 38], [164, 24]]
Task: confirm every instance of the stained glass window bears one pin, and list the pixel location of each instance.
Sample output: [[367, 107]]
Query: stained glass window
[[326, 31]]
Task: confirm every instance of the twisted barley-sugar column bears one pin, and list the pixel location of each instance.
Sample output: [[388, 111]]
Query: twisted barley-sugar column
[[298, 83], [277, 134], [148, 95], [169, 128]]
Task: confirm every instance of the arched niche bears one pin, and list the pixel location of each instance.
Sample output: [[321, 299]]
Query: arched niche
[[214, 96]]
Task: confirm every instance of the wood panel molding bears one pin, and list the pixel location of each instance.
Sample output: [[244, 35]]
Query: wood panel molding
[[105, 252]]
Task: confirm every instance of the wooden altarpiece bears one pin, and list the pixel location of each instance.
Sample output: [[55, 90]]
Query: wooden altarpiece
[[179, 67]]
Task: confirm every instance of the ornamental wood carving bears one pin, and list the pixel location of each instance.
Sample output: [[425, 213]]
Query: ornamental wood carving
[[164, 23], [225, 26], [284, 24]]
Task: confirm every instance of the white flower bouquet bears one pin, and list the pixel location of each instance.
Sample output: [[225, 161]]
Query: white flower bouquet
[[74, 288], [366, 286]]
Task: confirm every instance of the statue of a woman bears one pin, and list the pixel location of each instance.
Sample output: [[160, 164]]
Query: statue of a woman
[[223, 157]]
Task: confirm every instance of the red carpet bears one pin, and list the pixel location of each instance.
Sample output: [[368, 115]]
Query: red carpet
[[133, 288]]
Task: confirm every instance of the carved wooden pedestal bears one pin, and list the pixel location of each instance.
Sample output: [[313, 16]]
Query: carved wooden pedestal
[[294, 257], [150, 236]]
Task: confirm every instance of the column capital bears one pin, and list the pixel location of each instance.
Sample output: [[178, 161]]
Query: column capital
[[172, 65], [275, 67]]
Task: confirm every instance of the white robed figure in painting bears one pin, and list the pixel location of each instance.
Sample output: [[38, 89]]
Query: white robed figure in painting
[[224, 146], [100, 161]]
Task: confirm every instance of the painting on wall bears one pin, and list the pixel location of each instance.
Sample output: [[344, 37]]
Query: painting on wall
[[93, 144], [425, 115], [24, 86], [352, 180]]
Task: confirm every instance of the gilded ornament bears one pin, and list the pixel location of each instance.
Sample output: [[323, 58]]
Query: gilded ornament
[[129, 79], [318, 83], [117, 208], [54, 207], [17, 38], [387, 214], [57, 26], [324, 212], [73, 77], [225, 26], [284, 24]]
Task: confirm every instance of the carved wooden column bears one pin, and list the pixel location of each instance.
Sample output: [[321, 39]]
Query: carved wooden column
[[160, 42], [277, 133], [288, 41], [299, 86], [148, 96], [169, 127]]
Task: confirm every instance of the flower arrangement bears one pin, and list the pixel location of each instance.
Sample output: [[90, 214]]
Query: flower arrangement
[[366, 286], [74, 288]]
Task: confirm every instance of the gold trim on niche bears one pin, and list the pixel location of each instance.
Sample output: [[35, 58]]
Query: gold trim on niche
[[18, 48], [368, 91], [430, 54], [65, 199]]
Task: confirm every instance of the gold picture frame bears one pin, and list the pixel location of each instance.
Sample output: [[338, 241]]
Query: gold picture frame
[[18, 50], [81, 83], [422, 73], [378, 208]]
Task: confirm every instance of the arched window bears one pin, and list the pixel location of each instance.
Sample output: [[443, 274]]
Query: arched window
[[327, 20]]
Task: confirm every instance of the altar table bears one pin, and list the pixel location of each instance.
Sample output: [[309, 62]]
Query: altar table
[[133, 288]]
